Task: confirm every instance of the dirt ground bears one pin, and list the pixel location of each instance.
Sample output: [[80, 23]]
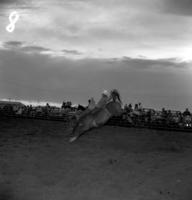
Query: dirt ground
[[111, 163]]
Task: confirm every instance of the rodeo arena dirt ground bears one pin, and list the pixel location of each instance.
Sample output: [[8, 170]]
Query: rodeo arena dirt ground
[[111, 163]]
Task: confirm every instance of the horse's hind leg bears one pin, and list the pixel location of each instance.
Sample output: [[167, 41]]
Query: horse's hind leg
[[78, 130], [74, 137]]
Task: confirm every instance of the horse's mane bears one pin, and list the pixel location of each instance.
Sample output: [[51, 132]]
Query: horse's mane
[[115, 95]]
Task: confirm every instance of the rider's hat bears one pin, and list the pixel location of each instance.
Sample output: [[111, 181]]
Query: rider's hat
[[105, 92]]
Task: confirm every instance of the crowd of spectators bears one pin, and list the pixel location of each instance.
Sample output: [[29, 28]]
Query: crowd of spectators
[[46, 111], [134, 115], [142, 116]]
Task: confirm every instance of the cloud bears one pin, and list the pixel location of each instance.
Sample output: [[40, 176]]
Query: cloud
[[22, 6], [8, 1], [179, 7], [120, 28], [21, 46], [41, 77], [73, 52], [16, 3], [145, 63], [13, 44], [34, 49]]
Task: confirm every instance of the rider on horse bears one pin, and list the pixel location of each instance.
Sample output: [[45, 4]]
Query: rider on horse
[[109, 105], [93, 107], [105, 98]]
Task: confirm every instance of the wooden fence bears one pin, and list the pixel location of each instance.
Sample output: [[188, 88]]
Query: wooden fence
[[114, 121]]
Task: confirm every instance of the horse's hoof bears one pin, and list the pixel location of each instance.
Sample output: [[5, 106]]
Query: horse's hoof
[[72, 139]]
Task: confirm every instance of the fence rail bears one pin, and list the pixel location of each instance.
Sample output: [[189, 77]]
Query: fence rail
[[65, 119], [114, 121], [119, 121]]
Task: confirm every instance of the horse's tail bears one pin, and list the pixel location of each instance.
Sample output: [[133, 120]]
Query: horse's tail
[[115, 95]]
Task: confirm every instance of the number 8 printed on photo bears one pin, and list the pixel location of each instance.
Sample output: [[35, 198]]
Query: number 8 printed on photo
[[13, 18]]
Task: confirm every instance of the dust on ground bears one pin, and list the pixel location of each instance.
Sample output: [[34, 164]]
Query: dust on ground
[[110, 163]]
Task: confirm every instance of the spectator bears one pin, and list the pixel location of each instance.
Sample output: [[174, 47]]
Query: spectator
[[164, 113], [186, 112], [47, 105], [148, 116], [126, 107], [63, 105], [130, 107], [80, 107], [140, 107], [68, 104]]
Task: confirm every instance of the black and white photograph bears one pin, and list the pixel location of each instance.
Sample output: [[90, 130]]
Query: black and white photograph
[[95, 99]]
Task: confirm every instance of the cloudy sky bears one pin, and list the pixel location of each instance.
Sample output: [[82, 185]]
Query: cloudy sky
[[73, 49]]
